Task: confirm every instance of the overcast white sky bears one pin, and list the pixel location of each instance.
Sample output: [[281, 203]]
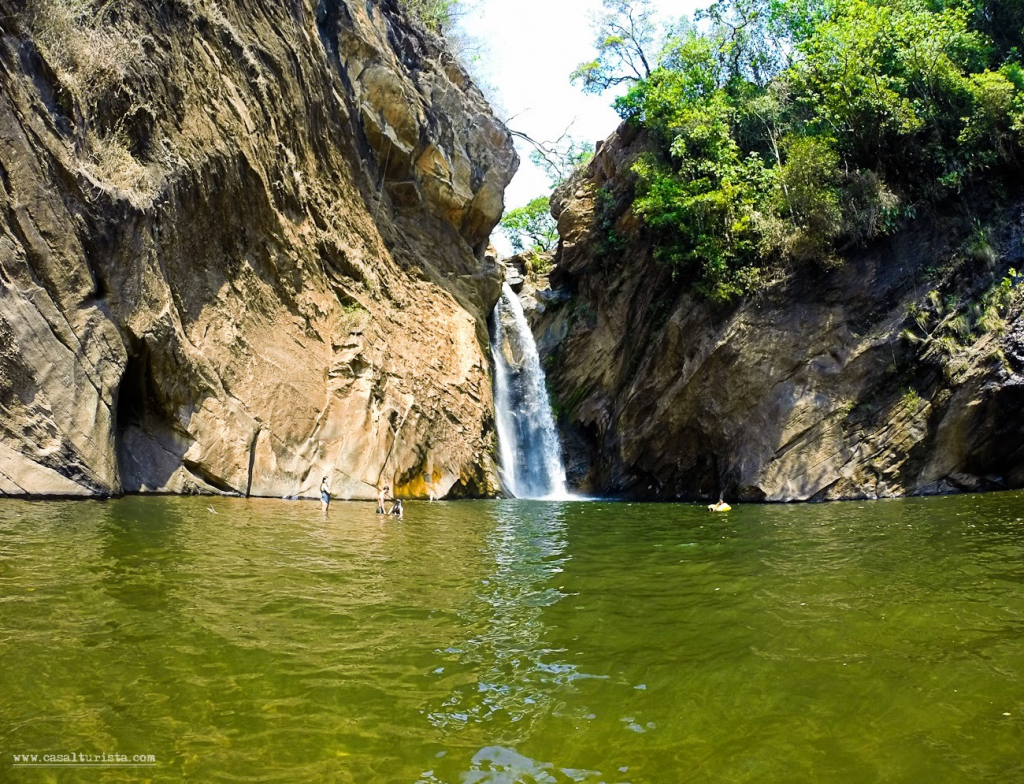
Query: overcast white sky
[[527, 49]]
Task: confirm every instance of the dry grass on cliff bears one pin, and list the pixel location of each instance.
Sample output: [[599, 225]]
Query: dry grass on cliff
[[111, 164], [89, 54], [94, 58]]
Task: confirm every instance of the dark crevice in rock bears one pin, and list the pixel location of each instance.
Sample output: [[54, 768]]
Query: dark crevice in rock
[[148, 443], [203, 473], [252, 461], [5, 179]]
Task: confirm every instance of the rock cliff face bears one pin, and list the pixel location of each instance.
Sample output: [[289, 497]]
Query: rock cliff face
[[242, 246], [856, 382]]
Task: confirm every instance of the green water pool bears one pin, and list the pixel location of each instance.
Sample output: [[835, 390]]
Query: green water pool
[[510, 641]]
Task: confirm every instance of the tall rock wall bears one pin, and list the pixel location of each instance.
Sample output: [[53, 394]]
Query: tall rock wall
[[848, 382], [242, 246]]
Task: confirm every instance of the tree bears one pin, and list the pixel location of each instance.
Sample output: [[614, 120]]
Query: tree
[[788, 130], [531, 227], [891, 84], [746, 43], [689, 73], [626, 46], [561, 158], [756, 39], [1000, 20]]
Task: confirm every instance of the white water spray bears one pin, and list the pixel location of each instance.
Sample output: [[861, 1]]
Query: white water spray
[[531, 456]]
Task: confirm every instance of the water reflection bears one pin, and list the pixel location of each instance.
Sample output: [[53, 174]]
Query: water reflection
[[502, 765], [517, 672], [140, 551]]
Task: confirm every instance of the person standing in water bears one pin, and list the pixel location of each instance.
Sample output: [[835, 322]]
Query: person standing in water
[[396, 510], [325, 494], [382, 496]]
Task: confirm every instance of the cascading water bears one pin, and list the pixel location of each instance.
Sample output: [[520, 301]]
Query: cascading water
[[531, 456]]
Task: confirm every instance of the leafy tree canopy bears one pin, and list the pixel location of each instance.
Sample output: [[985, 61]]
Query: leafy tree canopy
[[626, 46], [790, 129], [531, 227]]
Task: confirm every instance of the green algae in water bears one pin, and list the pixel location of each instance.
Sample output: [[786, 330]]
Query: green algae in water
[[515, 641]]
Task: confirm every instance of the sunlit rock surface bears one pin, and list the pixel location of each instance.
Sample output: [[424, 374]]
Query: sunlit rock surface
[[808, 390], [241, 248]]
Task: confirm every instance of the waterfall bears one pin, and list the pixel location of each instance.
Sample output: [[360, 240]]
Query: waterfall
[[531, 456]]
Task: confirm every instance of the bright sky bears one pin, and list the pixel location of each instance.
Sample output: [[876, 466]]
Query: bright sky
[[527, 49]]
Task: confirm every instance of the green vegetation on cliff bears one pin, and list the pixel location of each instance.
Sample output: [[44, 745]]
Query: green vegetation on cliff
[[435, 15], [790, 130]]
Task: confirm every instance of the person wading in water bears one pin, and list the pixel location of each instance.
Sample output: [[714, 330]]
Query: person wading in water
[[325, 494], [382, 496]]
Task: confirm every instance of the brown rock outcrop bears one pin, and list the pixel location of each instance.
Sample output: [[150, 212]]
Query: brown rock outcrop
[[812, 389], [242, 247]]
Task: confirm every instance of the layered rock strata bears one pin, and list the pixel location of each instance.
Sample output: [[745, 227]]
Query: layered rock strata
[[242, 246], [820, 386]]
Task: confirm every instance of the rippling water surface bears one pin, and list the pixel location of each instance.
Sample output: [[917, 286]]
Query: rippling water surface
[[510, 641]]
